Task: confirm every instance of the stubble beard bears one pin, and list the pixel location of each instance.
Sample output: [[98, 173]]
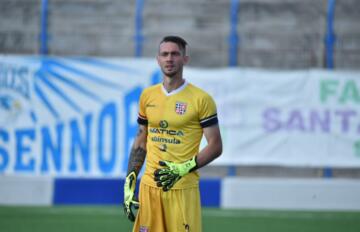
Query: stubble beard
[[170, 74]]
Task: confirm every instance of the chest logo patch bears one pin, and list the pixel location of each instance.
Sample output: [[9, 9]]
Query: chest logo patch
[[163, 124], [180, 108]]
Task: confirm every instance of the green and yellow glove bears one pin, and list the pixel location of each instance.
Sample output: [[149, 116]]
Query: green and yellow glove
[[172, 173], [130, 202]]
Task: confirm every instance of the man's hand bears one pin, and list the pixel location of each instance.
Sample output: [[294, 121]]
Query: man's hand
[[172, 173], [130, 202]]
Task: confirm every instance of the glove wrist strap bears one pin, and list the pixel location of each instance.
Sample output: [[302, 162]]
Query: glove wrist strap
[[193, 164]]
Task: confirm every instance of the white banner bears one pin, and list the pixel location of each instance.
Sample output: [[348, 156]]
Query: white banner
[[77, 116], [69, 117], [292, 118]]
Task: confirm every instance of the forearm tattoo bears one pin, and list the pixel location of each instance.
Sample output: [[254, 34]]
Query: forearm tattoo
[[136, 160], [137, 156]]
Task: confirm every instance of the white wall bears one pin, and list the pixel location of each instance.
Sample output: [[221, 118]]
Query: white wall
[[26, 190], [297, 194]]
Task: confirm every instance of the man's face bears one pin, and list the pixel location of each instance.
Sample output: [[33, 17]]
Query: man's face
[[171, 59]]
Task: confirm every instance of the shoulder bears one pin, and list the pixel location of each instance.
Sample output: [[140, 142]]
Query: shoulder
[[202, 97], [206, 107], [202, 94], [151, 89]]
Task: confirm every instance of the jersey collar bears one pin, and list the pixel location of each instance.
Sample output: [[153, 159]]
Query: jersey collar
[[176, 90]]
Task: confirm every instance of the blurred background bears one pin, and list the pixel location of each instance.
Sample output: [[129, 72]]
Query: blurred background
[[284, 73], [275, 34]]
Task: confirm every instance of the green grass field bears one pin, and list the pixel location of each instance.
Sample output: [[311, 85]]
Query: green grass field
[[111, 218]]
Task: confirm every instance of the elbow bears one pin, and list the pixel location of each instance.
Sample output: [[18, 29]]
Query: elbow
[[219, 147], [218, 150]]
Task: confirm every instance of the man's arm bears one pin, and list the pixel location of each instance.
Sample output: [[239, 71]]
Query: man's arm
[[214, 147], [136, 161], [172, 172], [138, 151]]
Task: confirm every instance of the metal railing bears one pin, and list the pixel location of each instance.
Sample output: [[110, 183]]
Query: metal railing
[[44, 25], [139, 38], [330, 35], [233, 38]]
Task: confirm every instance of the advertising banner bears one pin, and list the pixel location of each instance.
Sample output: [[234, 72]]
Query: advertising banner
[[77, 116], [69, 117], [291, 118]]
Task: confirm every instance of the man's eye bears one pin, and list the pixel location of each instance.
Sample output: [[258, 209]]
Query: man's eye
[[172, 54]]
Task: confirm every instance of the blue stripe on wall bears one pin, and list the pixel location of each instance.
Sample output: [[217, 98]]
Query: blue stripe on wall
[[88, 191], [210, 192], [110, 191]]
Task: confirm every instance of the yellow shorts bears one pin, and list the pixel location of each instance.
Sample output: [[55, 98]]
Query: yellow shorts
[[177, 210]]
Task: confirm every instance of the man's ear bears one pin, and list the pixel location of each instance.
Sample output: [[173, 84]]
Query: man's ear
[[186, 59], [157, 59]]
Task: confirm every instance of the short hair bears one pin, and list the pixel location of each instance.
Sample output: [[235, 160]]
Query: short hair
[[177, 40]]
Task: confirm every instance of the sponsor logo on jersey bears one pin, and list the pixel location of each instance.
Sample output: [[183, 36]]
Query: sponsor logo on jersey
[[165, 140], [166, 132], [163, 124]]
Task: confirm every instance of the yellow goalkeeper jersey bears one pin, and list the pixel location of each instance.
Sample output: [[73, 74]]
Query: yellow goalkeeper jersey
[[174, 121]]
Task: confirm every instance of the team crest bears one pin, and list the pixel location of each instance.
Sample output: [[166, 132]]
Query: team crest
[[144, 229], [180, 108]]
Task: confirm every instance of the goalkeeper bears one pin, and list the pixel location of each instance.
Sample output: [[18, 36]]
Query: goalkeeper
[[173, 117]]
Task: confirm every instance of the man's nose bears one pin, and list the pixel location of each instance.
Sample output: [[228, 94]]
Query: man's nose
[[169, 58]]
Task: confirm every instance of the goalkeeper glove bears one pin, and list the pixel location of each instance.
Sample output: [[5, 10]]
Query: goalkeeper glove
[[130, 202], [172, 173]]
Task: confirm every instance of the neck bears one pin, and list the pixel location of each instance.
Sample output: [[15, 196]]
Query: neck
[[172, 83]]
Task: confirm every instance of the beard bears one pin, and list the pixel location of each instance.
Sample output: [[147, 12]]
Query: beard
[[169, 73]]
